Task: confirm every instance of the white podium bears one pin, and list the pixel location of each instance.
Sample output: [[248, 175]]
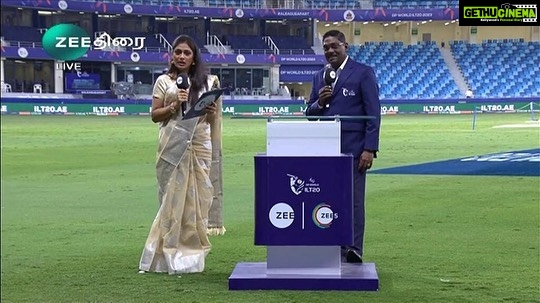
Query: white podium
[[303, 138], [304, 212]]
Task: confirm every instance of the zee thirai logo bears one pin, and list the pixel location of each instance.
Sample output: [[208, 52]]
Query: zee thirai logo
[[68, 42]]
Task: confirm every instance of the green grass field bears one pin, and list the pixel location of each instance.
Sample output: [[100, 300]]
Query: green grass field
[[79, 196]]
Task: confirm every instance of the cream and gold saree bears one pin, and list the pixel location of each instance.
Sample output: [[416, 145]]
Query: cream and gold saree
[[188, 172]]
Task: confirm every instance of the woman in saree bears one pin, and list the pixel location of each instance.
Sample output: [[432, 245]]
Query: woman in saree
[[188, 168]]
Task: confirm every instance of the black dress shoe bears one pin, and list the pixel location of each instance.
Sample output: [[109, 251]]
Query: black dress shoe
[[353, 257]]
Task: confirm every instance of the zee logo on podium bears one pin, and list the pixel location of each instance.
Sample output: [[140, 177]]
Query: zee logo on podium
[[281, 215]]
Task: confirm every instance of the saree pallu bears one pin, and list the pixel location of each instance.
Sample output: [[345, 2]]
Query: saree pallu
[[215, 215]]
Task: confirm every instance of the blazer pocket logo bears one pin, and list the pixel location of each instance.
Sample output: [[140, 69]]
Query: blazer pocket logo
[[348, 93]]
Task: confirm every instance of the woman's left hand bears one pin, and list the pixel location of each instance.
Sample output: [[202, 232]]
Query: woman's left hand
[[211, 109]]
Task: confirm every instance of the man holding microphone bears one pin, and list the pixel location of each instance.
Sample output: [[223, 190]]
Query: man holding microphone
[[354, 92]]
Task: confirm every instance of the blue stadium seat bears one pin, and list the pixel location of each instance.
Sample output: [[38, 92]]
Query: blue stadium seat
[[292, 45], [201, 41], [247, 44], [408, 72], [21, 33], [504, 68]]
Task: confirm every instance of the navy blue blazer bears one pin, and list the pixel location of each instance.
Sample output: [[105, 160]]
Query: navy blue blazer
[[356, 93]]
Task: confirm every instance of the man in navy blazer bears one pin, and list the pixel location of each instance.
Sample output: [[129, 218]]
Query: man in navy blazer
[[354, 93]]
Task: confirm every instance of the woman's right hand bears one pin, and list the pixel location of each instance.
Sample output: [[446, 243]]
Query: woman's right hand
[[182, 95]]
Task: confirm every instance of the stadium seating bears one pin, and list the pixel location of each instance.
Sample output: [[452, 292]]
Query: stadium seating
[[6, 88], [493, 68], [21, 33], [407, 72], [250, 44], [292, 45], [500, 68], [331, 4], [247, 44], [201, 41], [159, 2], [152, 43]]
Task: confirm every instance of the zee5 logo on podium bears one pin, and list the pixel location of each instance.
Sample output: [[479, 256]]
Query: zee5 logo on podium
[[323, 216], [68, 42]]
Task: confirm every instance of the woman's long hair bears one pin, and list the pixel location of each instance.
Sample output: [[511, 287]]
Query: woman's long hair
[[197, 72]]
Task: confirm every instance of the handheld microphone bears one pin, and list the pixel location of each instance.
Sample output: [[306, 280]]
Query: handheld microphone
[[182, 82], [329, 75]]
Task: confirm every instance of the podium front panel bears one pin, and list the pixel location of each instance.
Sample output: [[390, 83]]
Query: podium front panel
[[303, 200]]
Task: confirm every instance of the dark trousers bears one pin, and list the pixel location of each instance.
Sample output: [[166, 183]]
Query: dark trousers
[[359, 217], [359, 214]]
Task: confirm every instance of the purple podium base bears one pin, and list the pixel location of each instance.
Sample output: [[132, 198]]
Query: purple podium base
[[253, 276]]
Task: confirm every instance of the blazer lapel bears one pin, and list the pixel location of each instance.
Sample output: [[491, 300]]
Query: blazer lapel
[[345, 73]]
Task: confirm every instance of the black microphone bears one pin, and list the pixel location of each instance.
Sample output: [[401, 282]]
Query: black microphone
[[182, 82], [329, 75]]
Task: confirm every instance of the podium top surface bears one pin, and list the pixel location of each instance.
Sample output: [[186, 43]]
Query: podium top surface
[[301, 117], [340, 155]]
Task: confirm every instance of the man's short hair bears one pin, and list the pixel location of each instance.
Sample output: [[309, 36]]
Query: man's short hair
[[334, 33]]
